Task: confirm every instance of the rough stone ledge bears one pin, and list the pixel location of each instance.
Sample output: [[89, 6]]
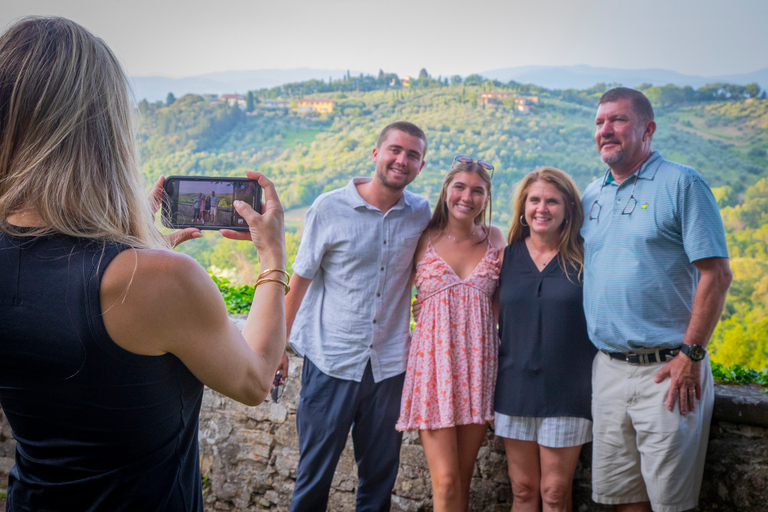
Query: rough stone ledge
[[747, 405]]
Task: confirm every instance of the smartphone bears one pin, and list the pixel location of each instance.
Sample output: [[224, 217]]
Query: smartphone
[[207, 202]]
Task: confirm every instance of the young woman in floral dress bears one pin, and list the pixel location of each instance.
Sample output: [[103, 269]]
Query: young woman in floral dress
[[449, 383]]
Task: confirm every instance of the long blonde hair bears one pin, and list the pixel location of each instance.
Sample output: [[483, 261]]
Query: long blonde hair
[[67, 136], [440, 215], [570, 245]]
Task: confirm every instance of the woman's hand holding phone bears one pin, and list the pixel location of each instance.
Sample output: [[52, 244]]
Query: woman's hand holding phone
[[155, 201], [266, 228]]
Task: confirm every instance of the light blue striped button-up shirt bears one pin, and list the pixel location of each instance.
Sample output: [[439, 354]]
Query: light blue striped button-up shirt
[[357, 307], [639, 276]]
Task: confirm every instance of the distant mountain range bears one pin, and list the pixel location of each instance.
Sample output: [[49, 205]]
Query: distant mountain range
[[156, 88], [583, 77]]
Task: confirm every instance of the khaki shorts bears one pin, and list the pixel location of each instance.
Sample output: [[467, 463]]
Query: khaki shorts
[[640, 450]]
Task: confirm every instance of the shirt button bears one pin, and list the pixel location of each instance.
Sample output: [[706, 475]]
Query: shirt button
[[382, 269], [374, 320], [385, 242], [618, 201], [378, 295]]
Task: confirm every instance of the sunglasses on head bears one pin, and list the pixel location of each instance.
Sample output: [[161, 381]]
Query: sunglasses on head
[[467, 160]]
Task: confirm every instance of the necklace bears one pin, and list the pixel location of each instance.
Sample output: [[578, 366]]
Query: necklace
[[540, 258], [457, 240], [545, 259]]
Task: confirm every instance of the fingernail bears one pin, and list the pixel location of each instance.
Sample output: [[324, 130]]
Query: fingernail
[[238, 203], [197, 235]]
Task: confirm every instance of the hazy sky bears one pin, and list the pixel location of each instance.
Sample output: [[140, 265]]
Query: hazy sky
[[178, 38]]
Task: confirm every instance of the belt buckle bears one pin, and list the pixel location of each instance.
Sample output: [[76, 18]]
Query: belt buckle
[[637, 357]]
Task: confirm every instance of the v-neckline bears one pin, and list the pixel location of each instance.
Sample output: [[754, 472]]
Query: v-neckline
[[451, 268], [533, 263]]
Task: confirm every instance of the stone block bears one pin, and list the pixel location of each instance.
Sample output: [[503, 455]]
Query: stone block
[[286, 434]]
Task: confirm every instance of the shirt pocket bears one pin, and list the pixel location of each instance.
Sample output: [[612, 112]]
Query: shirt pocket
[[402, 258]]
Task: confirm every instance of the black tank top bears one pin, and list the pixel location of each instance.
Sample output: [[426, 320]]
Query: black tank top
[[98, 428]]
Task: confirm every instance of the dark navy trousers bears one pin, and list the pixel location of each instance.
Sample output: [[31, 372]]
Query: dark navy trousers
[[328, 408]]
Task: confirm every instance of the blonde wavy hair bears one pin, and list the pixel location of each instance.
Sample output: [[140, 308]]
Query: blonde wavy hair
[[67, 136], [570, 245]]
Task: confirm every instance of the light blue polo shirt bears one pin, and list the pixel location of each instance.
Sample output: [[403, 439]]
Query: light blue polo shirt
[[357, 307], [639, 276]]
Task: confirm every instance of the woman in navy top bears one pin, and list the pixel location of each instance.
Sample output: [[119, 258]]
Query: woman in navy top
[[107, 336], [543, 389]]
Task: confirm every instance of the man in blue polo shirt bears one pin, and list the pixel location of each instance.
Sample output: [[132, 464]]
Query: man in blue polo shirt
[[656, 274], [348, 315]]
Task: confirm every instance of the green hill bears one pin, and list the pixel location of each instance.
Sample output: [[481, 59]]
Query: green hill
[[716, 130]]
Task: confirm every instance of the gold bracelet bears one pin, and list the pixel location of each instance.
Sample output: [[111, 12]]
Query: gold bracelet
[[269, 270], [266, 279]]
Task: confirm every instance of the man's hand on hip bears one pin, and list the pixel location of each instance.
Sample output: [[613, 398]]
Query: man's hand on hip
[[685, 382]]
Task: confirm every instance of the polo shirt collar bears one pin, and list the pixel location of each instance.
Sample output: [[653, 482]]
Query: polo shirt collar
[[355, 200], [647, 170]]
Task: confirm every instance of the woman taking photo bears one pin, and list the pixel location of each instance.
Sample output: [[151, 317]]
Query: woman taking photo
[[108, 336], [543, 391], [448, 390]]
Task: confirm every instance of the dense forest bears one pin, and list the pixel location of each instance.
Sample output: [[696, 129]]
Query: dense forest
[[720, 129]]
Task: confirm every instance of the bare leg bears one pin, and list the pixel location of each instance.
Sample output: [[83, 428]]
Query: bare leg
[[524, 473], [442, 453], [470, 439], [557, 468]]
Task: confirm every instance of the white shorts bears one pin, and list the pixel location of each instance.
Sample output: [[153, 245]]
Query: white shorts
[[641, 451], [559, 432]]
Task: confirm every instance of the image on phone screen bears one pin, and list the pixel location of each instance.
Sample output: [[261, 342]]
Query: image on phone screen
[[208, 203]]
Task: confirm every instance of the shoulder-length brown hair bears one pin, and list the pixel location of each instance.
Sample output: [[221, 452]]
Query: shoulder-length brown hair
[[67, 136], [570, 245], [440, 216]]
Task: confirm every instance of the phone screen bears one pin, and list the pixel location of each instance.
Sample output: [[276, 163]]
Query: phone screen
[[207, 202]]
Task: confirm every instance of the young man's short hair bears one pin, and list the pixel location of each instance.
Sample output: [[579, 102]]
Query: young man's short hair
[[405, 127]]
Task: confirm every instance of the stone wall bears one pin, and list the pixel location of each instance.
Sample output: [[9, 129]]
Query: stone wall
[[249, 457]]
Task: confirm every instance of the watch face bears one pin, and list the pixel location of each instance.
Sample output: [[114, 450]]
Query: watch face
[[698, 353]]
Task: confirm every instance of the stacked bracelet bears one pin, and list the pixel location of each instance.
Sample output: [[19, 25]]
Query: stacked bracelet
[[265, 279], [269, 270], [262, 279]]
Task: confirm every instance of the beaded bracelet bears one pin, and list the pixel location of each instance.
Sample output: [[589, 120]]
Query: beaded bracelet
[[265, 279], [269, 270]]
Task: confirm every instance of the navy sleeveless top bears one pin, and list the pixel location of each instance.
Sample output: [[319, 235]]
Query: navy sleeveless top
[[98, 428], [545, 355]]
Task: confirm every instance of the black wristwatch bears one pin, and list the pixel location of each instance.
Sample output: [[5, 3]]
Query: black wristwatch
[[694, 352]]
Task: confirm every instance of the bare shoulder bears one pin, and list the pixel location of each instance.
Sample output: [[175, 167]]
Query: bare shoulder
[[146, 273], [421, 247], [497, 238], [146, 295]]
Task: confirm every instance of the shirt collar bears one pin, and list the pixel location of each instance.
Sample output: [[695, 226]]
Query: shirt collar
[[647, 171], [356, 200]]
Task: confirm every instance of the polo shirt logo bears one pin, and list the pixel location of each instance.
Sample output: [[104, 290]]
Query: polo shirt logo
[[644, 206]]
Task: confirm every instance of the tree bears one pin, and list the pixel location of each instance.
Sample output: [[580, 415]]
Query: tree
[[250, 104], [423, 74], [170, 99], [473, 80]]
